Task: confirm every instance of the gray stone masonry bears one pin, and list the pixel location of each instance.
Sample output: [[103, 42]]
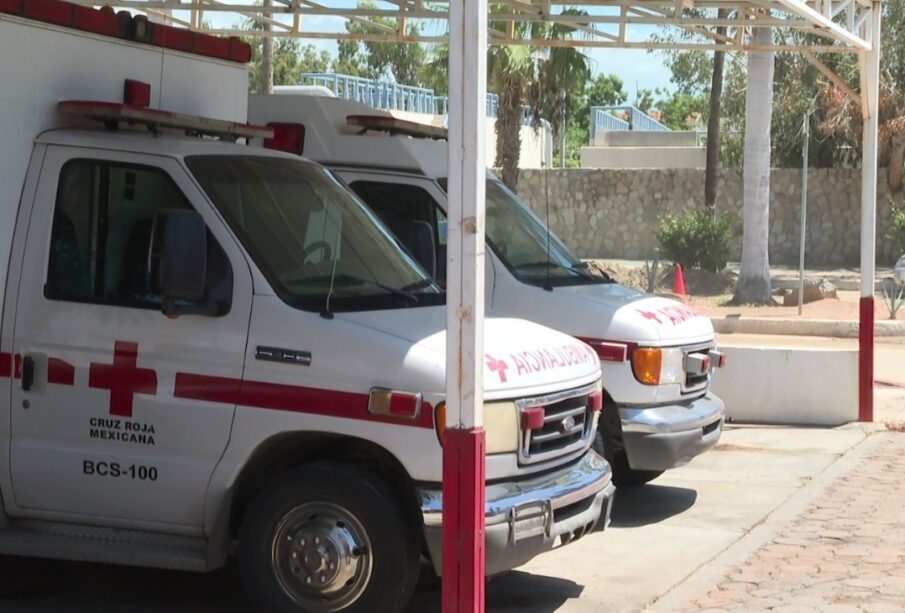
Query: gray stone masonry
[[616, 213]]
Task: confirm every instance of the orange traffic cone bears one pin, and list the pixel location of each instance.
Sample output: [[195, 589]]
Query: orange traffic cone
[[678, 283]]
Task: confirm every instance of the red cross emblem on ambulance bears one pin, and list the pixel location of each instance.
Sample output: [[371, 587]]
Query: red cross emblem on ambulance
[[123, 378], [497, 366]]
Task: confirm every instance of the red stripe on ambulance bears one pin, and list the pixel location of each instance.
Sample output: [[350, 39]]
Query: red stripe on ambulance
[[60, 372], [294, 398]]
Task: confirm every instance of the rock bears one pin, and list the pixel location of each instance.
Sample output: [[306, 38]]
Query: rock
[[814, 289]]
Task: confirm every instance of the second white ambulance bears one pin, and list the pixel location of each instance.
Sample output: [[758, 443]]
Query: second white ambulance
[[657, 354]]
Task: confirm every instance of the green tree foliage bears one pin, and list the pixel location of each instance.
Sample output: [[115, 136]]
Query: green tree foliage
[[404, 62], [681, 111], [696, 239], [290, 60]]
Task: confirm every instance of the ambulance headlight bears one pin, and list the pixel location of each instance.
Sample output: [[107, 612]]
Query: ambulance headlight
[[500, 426]]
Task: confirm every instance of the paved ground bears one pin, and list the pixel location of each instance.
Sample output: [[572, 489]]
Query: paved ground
[[844, 553], [669, 544]]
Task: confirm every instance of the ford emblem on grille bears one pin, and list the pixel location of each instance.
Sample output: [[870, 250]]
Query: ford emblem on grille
[[567, 425]]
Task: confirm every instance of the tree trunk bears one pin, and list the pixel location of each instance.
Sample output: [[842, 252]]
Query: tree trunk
[[754, 276], [711, 173], [509, 132], [896, 159], [267, 55]]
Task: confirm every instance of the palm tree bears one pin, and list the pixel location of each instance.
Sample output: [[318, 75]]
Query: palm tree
[[510, 70], [754, 276], [561, 71], [535, 76]]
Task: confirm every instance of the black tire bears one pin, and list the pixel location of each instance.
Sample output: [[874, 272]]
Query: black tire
[[612, 451], [362, 534]]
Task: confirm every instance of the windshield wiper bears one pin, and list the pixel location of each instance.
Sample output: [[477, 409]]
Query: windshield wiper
[[597, 274], [422, 284], [580, 269], [347, 279]]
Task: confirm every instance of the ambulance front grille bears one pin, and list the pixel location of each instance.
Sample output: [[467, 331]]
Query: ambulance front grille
[[698, 381], [567, 427]]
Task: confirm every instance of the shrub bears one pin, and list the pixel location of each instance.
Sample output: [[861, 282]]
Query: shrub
[[696, 239], [897, 232]]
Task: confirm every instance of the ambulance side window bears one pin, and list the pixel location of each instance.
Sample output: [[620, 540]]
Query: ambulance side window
[[100, 241], [398, 205]]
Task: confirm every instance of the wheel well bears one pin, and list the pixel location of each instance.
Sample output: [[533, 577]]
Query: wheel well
[[286, 451], [609, 417]]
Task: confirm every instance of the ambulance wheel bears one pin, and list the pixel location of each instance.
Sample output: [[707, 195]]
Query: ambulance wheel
[[623, 474], [328, 537]]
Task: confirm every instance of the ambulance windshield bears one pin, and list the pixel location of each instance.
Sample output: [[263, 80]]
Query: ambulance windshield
[[320, 248], [520, 240]]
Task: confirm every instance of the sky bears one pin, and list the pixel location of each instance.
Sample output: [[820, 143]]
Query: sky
[[639, 69]]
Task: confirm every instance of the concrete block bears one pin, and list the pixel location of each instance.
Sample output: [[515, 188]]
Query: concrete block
[[643, 157], [788, 385], [643, 138]]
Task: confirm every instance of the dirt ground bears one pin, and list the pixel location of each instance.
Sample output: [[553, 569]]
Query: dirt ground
[[710, 293]]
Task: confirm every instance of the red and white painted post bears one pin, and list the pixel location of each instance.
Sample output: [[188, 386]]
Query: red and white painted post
[[870, 92], [463, 441]]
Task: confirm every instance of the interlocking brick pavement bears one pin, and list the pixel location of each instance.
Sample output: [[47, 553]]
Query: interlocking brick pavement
[[846, 553]]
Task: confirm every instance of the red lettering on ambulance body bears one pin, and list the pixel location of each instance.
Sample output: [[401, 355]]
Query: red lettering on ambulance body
[[123, 378], [520, 366]]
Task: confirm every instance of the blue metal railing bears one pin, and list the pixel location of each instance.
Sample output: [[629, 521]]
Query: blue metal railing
[[604, 120], [391, 96]]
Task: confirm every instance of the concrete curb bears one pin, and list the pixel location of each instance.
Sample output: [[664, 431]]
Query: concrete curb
[[802, 327], [711, 573]]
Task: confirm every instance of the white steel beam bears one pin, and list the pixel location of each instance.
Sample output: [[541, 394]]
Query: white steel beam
[[463, 440]]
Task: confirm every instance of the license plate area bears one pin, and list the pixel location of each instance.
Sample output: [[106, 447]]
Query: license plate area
[[530, 519]]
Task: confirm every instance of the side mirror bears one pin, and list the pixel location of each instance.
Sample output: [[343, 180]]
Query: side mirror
[[181, 239], [424, 248]]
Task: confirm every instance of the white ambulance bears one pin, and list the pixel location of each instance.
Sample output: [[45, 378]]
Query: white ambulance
[[208, 348], [657, 354]]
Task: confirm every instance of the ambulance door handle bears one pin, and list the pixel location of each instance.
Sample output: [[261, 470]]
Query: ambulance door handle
[[28, 372]]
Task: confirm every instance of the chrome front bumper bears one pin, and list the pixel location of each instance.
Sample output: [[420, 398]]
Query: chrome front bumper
[[524, 518], [667, 436]]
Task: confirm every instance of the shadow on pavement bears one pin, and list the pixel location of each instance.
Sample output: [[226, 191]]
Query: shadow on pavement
[[512, 591], [649, 504], [33, 585]]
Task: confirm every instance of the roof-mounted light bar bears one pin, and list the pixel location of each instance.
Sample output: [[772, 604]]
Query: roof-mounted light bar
[[113, 113], [123, 25], [394, 126]]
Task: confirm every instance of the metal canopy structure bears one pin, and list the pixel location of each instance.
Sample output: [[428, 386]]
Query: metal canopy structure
[[836, 26], [840, 26]]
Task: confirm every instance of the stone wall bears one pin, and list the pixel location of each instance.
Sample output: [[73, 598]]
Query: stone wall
[[615, 213]]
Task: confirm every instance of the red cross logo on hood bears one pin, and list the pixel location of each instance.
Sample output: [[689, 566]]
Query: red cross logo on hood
[[497, 366], [123, 378]]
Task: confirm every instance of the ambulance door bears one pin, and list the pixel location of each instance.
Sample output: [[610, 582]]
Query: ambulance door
[[104, 425]]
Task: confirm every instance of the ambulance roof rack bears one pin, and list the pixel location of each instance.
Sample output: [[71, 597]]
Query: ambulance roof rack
[[112, 114], [394, 125]]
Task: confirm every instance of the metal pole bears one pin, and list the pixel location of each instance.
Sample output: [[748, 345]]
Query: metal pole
[[804, 207], [870, 92], [464, 441]]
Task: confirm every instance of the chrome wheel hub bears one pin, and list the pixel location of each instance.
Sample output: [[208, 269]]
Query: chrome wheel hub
[[322, 556]]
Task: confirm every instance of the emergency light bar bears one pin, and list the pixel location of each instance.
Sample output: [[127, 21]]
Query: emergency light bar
[[106, 22], [114, 113], [394, 126]]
